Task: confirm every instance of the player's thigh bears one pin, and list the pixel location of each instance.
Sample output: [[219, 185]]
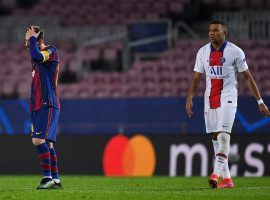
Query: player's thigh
[[226, 116], [210, 118], [52, 132], [41, 123]]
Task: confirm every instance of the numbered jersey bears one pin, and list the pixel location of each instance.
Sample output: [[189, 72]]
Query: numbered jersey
[[220, 68], [45, 69]]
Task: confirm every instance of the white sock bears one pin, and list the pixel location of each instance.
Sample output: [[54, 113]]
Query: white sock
[[215, 145], [226, 170], [222, 153], [219, 164]]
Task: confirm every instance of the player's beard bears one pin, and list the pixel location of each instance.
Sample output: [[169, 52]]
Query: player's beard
[[217, 42]]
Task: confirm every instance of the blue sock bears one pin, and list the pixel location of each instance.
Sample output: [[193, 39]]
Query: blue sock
[[54, 166], [45, 159]]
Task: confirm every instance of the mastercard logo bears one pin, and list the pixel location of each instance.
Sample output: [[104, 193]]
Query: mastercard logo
[[129, 157]]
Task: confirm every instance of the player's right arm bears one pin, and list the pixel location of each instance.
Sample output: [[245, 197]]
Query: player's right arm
[[197, 76], [34, 51], [36, 54], [31, 37]]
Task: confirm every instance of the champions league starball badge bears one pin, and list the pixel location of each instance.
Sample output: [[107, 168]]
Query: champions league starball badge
[[222, 60]]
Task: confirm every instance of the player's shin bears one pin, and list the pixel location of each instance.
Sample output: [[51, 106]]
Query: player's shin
[[215, 145], [45, 159], [225, 173], [226, 170], [54, 164], [222, 153]]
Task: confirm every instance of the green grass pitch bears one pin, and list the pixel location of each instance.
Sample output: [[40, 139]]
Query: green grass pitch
[[98, 187]]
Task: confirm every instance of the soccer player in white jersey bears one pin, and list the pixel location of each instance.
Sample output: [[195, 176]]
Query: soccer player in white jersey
[[221, 60]]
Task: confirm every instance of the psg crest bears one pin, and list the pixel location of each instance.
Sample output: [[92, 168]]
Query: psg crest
[[222, 60]]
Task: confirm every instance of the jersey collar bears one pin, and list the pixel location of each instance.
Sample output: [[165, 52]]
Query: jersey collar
[[220, 49]]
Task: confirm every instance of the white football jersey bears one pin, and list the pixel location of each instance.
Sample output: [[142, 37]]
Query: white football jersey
[[220, 68]]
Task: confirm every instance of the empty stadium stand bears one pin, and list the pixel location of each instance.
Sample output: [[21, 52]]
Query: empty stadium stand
[[168, 76]]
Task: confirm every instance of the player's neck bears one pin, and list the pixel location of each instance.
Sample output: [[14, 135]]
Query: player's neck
[[42, 46], [218, 45]]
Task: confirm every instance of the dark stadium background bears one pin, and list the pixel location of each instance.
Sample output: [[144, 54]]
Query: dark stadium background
[[126, 66]]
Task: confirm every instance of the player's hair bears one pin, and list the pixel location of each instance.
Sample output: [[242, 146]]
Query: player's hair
[[217, 21], [37, 29], [222, 23]]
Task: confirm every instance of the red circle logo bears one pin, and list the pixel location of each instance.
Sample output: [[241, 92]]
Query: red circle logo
[[129, 157]]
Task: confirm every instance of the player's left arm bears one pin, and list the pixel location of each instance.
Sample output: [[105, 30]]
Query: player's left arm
[[242, 67], [255, 91], [194, 85]]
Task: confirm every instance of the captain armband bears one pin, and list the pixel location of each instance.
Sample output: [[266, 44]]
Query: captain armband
[[46, 55]]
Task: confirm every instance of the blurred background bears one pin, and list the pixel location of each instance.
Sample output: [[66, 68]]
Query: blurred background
[[125, 69]]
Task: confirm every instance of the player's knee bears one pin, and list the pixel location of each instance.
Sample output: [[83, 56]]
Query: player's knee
[[37, 141], [223, 137], [224, 143]]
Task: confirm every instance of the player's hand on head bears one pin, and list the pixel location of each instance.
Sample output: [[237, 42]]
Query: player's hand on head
[[31, 32], [264, 110], [189, 105]]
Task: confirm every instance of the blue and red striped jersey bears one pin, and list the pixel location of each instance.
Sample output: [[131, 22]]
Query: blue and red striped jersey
[[45, 69]]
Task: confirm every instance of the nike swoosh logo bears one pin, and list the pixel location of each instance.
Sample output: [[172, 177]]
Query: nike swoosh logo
[[37, 133]]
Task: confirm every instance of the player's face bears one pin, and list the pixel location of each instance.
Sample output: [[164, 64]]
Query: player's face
[[27, 45], [216, 33]]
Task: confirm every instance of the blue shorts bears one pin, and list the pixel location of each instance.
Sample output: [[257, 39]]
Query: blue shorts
[[44, 123]]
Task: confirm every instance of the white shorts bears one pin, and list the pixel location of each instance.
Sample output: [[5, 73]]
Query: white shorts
[[220, 119]]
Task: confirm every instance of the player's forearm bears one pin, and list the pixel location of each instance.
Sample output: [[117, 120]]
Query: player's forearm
[[34, 51], [253, 87], [194, 85], [192, 89]]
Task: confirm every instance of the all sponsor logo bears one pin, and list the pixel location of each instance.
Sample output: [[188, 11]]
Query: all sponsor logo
[[215, 70]]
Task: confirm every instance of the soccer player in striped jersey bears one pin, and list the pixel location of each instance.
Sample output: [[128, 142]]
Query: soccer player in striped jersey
[[44, 104], [221, 60]]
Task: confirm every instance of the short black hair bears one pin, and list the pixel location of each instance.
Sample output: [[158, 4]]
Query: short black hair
[[217, 21], [37, 29]]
